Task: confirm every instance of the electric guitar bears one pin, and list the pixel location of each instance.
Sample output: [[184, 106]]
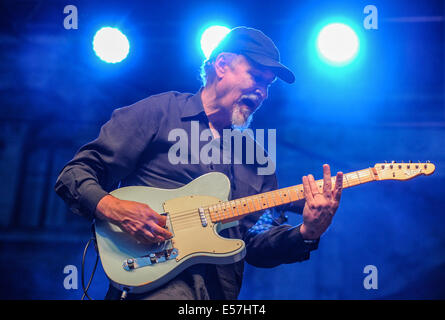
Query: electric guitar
[[196, 213]]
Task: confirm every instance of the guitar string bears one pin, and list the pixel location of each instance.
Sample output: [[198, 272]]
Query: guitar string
[[184, 219], [187, 218], [187, 213]]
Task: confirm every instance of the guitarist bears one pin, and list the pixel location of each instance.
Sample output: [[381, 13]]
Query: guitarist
[[132, 149]]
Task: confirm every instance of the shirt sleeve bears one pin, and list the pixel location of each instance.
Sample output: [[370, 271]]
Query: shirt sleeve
[[99, 165], [270, 242]]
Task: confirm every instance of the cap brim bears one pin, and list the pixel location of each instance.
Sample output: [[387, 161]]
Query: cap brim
[[280, 70]]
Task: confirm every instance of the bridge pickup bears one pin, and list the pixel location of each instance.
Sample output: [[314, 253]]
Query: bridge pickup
[[202, 216], [151, 259]]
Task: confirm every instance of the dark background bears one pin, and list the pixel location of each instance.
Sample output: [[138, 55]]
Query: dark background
[[387, 105]]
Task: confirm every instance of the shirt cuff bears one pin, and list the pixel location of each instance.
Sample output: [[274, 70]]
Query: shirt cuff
[[91, 193], [304, 244]]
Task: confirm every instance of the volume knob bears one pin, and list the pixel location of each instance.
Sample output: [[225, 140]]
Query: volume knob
[[130, 263]]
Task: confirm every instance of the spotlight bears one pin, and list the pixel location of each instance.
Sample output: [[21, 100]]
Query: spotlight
[[111, 45], [337, 44], [211, 37]]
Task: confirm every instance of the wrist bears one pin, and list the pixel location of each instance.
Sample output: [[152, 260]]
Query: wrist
[[102, 208], [307, 233]]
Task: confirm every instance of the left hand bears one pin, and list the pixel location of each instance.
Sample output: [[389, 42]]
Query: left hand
[[320, 207]]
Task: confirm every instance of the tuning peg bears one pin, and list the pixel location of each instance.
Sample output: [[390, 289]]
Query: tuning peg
[[428, 161], [386, 161], [392, 161], [410, 161]]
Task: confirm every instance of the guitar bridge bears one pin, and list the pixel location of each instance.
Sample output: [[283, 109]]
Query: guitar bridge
[[150, 259]]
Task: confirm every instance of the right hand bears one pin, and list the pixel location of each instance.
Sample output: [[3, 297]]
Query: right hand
[[135, 218]]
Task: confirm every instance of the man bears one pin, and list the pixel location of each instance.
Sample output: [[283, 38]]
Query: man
[[133, 149]]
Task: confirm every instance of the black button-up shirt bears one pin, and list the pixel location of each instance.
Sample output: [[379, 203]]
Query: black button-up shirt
[[132, 149]]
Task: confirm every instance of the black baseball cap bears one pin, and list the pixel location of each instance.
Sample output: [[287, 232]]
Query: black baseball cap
[[256, 46]]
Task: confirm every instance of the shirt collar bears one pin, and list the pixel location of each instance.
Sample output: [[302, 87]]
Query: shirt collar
[[193, 106]]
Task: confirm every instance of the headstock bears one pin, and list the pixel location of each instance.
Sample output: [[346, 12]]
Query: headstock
[[403, 171]]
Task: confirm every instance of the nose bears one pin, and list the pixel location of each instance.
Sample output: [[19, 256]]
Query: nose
[[261, 91]]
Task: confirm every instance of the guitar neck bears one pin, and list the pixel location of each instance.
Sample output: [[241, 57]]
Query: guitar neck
[[236, 209]]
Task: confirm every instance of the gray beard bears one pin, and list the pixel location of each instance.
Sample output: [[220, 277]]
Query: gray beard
[[238, 119]]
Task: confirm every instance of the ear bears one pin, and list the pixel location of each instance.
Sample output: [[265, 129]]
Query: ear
[[222, 63]]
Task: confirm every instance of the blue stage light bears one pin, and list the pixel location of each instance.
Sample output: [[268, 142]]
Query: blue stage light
[[111, 45], [211, 37], [338, 44]]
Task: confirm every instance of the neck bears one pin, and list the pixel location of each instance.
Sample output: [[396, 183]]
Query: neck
[[218, 116], [236, 209]]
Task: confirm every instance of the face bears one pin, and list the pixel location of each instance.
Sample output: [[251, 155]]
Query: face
[[243, 88]]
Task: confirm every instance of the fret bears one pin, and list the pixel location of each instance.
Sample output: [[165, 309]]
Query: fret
[[371, 173], [220, 214], [345, 181], [281, 196], [219, 209], [277, 198], [244, 205], [225, 212], [265, 200], [215, 212], [297, 192], [234, 208], [228, 212], [259, 202], [358, 177], [295, 196], [263, 203], [363, 174], [286, 195], [270, 196], [240, 206], [251, 204], [348, 178], [247, 204], [300, 191], [211, 214]]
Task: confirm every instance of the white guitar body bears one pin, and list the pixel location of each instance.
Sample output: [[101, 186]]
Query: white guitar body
[[193, 241]]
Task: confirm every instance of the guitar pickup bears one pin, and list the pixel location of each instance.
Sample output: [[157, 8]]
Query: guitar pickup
[[168, 224]]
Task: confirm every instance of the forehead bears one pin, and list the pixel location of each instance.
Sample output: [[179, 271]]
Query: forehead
[[257, 69]]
